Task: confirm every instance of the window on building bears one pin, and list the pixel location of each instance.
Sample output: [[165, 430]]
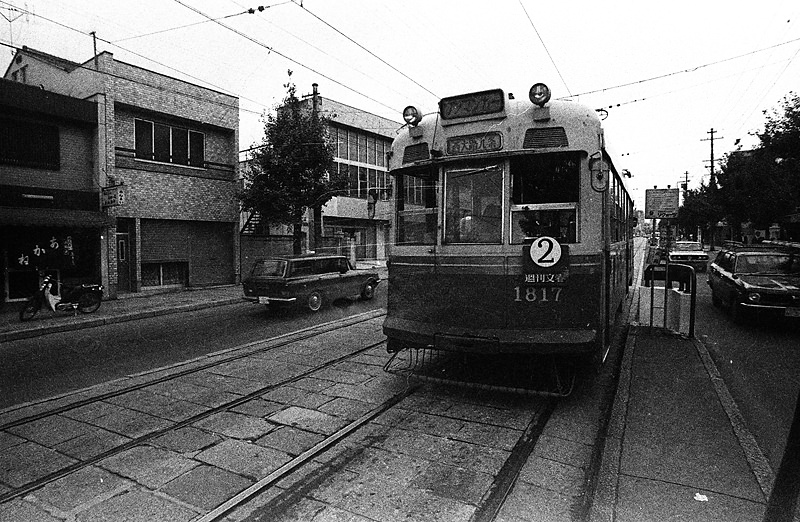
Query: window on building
[[29, 144], [167, 144], [380, 153], [371, 150], [362, 148], [343, 144], [164, 274], [353, 146]]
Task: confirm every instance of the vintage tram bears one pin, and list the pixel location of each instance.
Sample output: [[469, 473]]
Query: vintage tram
[[512, 229]]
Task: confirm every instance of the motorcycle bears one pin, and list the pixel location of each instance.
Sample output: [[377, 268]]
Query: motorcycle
[[85, 298]]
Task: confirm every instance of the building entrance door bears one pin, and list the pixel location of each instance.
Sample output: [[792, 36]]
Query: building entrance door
[[123, 262]]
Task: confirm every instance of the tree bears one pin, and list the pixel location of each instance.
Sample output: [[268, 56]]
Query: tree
[[699, 210], [290, 170], [763, 185]]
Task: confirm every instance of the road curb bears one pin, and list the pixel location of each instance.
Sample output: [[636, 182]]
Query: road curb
[[605, 492]]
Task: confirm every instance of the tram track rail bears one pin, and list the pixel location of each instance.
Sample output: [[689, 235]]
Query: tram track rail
[[136, 441], [243, 352], [486, 509]]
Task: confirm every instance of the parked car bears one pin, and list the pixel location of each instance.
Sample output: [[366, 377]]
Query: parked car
[[309, 281], [756, 279], [689, 253]]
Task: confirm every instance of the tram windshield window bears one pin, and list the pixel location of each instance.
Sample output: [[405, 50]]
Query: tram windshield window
[[544, 196], [473, 204], [416, 208]]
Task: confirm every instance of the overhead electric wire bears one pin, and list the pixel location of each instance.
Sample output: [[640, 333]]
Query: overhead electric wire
[[545, 47], [286, 57], [65, 26], [140, 82], [765, 94], [392, 67], [324, 52], [176, 28], [691, 69]]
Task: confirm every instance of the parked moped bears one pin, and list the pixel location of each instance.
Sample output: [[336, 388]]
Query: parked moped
[[85, 298]]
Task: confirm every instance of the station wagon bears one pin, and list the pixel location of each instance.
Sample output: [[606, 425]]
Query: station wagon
[[307, 281]]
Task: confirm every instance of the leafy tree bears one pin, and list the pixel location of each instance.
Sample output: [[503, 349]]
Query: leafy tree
[[763, 185], [700, 209], [289, 173], [760, 185]]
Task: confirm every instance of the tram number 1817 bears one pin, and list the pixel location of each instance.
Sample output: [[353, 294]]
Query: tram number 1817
[[537, 294]]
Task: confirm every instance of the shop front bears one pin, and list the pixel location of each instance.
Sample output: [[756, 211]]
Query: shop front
[[67, 249]]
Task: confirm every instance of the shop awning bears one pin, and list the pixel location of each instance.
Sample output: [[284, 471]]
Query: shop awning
[[49, 217]]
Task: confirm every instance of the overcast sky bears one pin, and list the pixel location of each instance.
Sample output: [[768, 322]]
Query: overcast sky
[[669, 71]]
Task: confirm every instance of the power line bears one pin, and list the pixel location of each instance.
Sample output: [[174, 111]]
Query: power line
[[273, 50], [179, 27], [324, 52], [370, 52], [692, 69], [545, 47]]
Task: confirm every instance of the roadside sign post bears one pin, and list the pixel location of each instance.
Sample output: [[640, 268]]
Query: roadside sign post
[[663, 204]]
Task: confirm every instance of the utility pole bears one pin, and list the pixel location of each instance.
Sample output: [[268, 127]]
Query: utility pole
[[713, 182], [316, 212]]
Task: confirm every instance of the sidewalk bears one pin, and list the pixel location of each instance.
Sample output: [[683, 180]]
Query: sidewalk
[[130, 307], [676, 447]]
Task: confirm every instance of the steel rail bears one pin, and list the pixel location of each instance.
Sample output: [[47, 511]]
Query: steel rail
[[72, 468], [284, 339]]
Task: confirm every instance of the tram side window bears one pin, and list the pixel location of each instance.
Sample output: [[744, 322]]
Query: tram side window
[[416, 208], [473, 205], [545, 194]]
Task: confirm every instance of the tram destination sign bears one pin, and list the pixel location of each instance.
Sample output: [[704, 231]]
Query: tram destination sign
[[473, 104], [474, 143], [661, 203]]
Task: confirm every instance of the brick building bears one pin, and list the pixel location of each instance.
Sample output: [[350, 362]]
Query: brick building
[[50, 215], [165, 165], [355, 222]]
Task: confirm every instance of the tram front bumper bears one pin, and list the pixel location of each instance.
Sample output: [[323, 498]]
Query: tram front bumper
[[551, 341]]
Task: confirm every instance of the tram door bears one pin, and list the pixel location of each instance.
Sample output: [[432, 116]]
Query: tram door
[[123, 262]]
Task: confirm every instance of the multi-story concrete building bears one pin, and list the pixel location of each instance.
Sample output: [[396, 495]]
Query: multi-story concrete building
[[165, 165], [356, 220]]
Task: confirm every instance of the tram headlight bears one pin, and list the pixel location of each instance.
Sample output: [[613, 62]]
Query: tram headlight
[[412, 116], [539, 94]]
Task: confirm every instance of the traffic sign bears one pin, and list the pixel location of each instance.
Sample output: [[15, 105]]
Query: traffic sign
[[661, 203]]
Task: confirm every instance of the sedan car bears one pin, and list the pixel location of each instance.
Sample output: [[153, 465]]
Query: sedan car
[[309, 281], [689, 253], [756, 279]]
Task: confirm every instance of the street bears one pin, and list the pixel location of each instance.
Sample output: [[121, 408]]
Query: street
[[308, 423], [760, 363], [61, 362]]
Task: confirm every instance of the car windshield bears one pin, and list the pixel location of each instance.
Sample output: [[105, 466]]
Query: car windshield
[[773, 263], [687, 246], [269, 267]]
